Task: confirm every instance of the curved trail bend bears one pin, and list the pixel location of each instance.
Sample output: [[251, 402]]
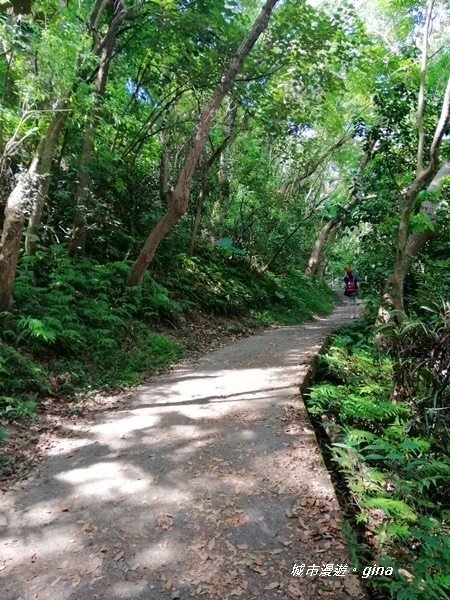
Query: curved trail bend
[[205, 483]]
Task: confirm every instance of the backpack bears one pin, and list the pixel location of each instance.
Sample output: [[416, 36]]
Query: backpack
[[352, 287]]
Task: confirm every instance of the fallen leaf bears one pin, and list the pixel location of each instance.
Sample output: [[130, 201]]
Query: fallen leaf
[[75, 580], [237, 592], [272, 586], [303, 536], [92, 569], [197, 545], [87, 528], [54, 582], [63, 565], [258, 560], [63, 507], [165, 521], [289, 513], [118, 556], [169, 584], [104, 548], [211, 543]]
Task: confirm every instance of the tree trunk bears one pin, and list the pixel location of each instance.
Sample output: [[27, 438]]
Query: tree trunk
[[312, 166], [198, 212], [321, 263], [164, 177], [16, 206], [44, 170], [223, 173], [316, 252], [324, 234], [30, 190], [180, 196], [77, 244], [202, 194], [409, 246], [281, 247]]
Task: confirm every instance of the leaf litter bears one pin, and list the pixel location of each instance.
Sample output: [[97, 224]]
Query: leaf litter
[[253, 511]]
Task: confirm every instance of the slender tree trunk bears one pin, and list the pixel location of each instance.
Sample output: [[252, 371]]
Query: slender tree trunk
[[16, 205], [198, 211], [180, 196], [321, 263], [316, 252], [327, 229], [415, 242], [299, 178], [203, 189], [77, 244], [223, 173], [44, 170], [281, 247], [164, 177], [30, 191], [392, 297]]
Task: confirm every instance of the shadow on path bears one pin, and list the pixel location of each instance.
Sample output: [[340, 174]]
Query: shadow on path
[[207, 483]]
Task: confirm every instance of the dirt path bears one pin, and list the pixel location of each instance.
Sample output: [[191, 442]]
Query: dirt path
[[206, 483]]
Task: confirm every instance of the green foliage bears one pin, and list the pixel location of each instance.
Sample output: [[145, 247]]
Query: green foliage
[[421, 350], [76, 328], [398, 472], [221, 284]]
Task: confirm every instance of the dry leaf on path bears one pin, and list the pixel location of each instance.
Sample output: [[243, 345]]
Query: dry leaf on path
[[63, 565], [272, 586], [118, 556], [169, 584], [165, 521], [63, 507], [211, 543]]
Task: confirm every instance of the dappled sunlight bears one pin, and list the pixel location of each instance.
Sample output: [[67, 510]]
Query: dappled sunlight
[[105, 480], [186, 486], [135, 421]]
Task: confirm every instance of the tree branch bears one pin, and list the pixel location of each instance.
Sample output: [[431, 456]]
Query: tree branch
[[421, 99]]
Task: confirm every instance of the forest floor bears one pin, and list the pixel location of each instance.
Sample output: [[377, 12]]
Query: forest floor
[[206, 482]]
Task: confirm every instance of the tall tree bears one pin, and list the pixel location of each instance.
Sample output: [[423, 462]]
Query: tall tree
[[181, 192], [29, 192], [104, 46], [393, 296]]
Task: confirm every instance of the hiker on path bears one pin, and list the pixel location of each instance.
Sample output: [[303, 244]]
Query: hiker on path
[[351, 291]]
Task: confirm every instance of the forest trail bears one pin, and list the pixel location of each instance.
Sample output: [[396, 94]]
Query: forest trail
[[206, 482]]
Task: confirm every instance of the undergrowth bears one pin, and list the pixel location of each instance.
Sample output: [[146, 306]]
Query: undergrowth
[[76, 328], [395, 462]]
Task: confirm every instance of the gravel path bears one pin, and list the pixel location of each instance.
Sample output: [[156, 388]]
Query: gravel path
[[205, 483]]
